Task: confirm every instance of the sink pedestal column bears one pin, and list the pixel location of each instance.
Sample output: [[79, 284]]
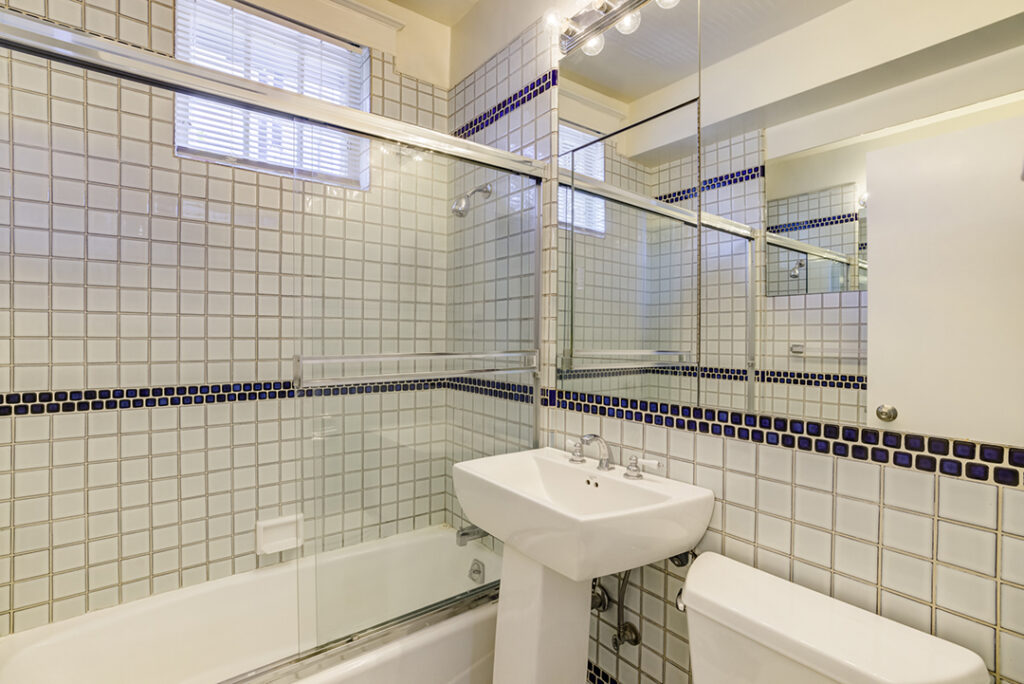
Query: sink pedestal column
[[543, 624]]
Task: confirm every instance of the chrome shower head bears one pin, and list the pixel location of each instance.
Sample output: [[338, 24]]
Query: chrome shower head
[[460, 207], [795, 271]]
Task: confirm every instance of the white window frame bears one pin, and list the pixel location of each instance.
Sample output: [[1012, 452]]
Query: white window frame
[[225, 37], [588, 212]]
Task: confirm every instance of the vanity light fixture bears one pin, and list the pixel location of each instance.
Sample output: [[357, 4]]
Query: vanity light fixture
[[582, 28], [593, 46], [629, 23]]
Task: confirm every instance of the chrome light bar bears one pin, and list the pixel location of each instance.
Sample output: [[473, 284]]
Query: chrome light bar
[[594, 19]]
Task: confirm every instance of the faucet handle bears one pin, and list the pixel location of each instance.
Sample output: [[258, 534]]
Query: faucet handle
[[633, 471], [577, 452]]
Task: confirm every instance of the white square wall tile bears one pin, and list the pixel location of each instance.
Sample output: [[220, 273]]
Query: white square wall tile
[[965, 593], [814, 507], [907, 611], [1011, 610], [907, 531], [971, 635], [709, 450], [1013, 560], [711, 478], [775, 498], [967, 547], [857, 518], [857, 559], [774, 533], [680, 444], [775, 463], [740, 488], [1011, 649], [911, 490], [812, 545], [811, 577], [1013, 511], [861, 480], [740, 455], [969, 502], [860, 594]]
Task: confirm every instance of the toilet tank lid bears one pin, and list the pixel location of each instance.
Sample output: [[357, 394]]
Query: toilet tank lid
[[834, 638]]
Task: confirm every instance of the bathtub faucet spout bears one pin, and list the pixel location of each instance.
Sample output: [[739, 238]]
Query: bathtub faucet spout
[[468, 534]]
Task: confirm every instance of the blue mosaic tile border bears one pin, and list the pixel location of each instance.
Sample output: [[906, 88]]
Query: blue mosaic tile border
[[509, 104], [712, 183], [673, 370], [1000, 464], [808, 379], [814, 223], [76, 401], [595, 675], [862, 245]]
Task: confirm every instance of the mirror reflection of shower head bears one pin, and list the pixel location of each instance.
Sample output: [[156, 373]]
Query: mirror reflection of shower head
[[795, 271], [460, 207]]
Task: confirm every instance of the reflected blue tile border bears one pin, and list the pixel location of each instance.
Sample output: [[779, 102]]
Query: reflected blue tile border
[[816, 223]]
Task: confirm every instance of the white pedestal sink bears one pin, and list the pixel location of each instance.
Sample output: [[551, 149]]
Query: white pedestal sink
[[564, 524]]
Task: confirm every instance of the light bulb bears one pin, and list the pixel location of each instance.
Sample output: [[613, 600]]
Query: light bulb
[[628, 23], [667, 4], [593, 46], [553, 20]]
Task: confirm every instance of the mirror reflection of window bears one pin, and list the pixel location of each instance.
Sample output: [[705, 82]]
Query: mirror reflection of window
[[588, 212]]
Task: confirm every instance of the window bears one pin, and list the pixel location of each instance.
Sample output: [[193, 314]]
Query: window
[[222, 37], [587, 211]]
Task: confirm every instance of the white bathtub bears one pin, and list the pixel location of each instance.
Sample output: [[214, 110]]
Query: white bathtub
[[218, 629]]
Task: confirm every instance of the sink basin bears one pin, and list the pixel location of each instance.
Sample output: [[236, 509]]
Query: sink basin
[[577, 520]]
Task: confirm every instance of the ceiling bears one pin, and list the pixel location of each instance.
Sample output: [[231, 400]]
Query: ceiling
[[447, 12], [663, 49]]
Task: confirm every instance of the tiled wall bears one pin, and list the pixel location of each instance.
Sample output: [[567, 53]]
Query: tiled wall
[[143, 23], [508, 103], [127, 267], [940, 553]]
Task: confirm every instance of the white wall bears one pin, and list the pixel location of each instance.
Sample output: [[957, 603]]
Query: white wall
[[947, 225], [863, 40]]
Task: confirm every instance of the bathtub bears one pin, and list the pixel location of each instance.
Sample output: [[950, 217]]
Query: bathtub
[[218, 629]]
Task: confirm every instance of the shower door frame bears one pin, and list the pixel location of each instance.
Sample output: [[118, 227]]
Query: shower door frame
[[43, 39]]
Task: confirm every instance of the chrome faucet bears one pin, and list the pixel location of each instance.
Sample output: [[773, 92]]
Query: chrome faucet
[[606, 454], [467, 534]]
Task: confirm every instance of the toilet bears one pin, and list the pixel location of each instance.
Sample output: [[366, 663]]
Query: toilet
[[751, 627]]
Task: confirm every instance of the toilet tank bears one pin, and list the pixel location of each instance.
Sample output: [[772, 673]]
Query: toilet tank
[[748, 626]]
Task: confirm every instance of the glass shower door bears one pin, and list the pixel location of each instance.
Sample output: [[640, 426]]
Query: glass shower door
[[417, 350]]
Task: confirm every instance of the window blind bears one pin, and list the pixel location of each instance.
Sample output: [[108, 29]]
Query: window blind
[[223, 37], [588, 212]]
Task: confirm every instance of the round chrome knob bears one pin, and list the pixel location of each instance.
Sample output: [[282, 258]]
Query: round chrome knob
[[886, 412]]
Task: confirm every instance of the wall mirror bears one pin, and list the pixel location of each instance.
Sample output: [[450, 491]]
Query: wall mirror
[[653, 309]]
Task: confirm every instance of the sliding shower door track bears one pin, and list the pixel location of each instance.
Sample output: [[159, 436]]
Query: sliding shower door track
[[306, 663]]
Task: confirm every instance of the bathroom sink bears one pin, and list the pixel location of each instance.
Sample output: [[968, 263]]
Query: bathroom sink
[[577, 520]]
